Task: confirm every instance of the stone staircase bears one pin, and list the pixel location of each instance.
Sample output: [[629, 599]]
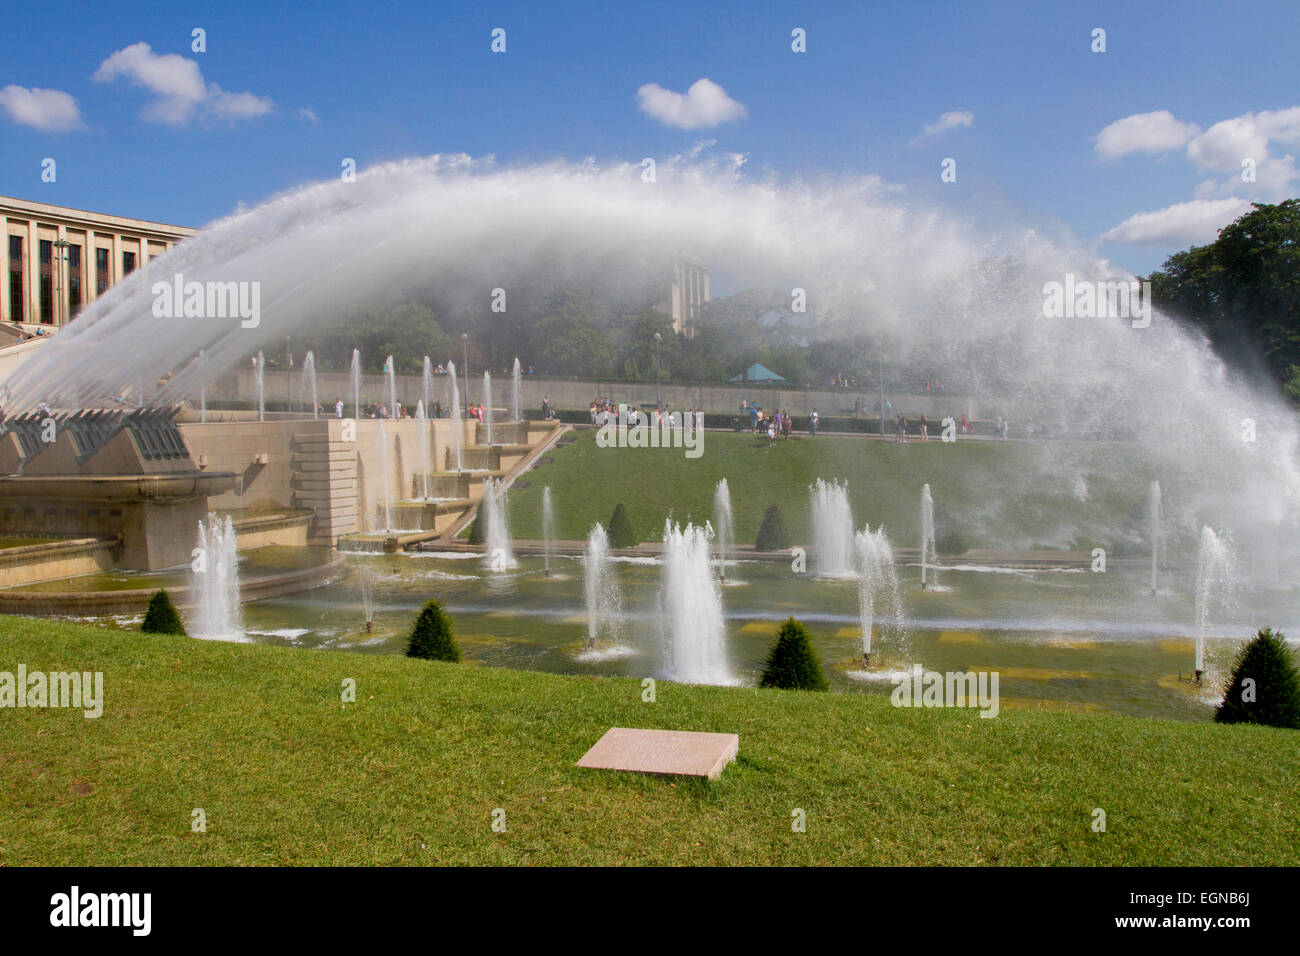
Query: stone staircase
[[325, 481]]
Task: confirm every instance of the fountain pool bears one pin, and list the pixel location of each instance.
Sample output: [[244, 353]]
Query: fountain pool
[[1061, 639]]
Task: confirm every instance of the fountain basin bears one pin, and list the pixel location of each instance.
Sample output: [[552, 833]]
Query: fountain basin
[[264, 573], [152, 514]]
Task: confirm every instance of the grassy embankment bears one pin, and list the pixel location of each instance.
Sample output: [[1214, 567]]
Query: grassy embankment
[[411, 773]]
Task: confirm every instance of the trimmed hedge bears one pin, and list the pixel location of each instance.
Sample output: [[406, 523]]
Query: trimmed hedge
[[161, 618], [478, 528], [772, 533], [620, 530], [431, 636], [792, 663], [1272, 696]]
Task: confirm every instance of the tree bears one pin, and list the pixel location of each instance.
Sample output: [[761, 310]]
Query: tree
[[1265, 685], [792, 663], [568, 343], [431, 637], [1243, 289], [772, 533], [641, 350], [620, 530], [161, 618]]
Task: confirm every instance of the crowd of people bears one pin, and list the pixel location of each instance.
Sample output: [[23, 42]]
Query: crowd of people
[[399, 411], [605, 411]]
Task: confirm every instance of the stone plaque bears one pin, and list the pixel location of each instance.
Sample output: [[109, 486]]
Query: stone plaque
[[678, 752]]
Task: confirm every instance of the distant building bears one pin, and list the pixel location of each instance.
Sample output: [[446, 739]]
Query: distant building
[[687, 296], [58, 260]]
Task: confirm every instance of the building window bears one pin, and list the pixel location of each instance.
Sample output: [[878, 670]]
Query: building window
[[47, 281], [102, 278], [128, 263], [74, 281], [17, 301]]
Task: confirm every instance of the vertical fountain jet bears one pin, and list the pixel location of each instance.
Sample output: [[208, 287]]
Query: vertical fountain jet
[[832, 526], [457, 417], [604, 601], [1153, 515], [697, 652], [308, 386], [500, 554], [214, 579], [878, 593], [390, 376], [261, 386], [368, 597], [548, 529], [426, 386], [203, 392], [385, 476], [487, 404], [1215, 584], [424, 445], [929, 557], [356, 383], [723, 523], [517, 409]]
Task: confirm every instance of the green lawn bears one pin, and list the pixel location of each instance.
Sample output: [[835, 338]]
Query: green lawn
[[998, 494], [412, 772]]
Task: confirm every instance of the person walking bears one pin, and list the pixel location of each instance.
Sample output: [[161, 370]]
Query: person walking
[[925, 428], [338, 408], [813, 421]]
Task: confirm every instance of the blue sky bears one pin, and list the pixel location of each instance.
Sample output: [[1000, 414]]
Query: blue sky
[[381, 81]]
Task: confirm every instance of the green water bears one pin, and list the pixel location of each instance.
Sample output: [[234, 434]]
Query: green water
[[270, 560], [1059, 639]]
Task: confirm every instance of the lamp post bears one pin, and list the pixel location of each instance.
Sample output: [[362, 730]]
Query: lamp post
[[882, 396], [659, 397], [464, 341], [288, 376]]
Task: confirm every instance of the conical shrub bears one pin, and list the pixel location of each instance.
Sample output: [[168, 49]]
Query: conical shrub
[[1265, 685], [161, 618], [478, 529], [431, 637], [620, 530], [772, 533], [792, 663]]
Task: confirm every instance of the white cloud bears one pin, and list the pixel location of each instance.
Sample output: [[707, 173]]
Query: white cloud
[[51, 111], [1156, 132], [309, 114], [179, 87], [1227, 144], [705, 104], [1186, 223], [950, 120]]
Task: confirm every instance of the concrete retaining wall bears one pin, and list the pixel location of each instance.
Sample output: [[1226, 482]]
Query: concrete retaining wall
[[569, 393]]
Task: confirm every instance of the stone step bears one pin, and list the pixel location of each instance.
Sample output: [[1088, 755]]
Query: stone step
[[321, 447], [320, 483], [347, 468]]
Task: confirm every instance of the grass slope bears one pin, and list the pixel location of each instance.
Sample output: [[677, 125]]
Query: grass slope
[[412, 772], [1000, 494]]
